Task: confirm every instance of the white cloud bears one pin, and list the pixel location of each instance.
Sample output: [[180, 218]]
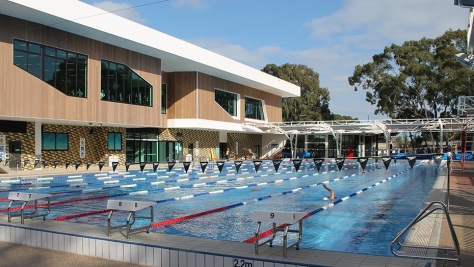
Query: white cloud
[[257, 58], [121, 9], [388, 21]]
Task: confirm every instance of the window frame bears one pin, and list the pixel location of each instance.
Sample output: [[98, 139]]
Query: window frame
[[127, 86], [115, 135], [164, 98], [73, 79], [56, 136], [237, 101], [263, 111]]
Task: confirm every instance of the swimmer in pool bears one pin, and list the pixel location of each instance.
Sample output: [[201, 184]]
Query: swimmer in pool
[[331, 192]]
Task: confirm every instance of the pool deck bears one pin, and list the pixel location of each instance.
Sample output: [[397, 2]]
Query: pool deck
[[14, 254]]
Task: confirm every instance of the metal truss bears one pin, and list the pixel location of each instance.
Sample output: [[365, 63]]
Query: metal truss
[[365, 126]]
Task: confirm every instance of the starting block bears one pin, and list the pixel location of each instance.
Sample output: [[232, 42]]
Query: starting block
[[132, 207], [284, 218], [25, 198]]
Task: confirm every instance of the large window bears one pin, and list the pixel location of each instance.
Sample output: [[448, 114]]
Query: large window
[[114, 141], [227, 100], [62, 69], [163, 99], [254, 109], [121, 84], [55, 141]]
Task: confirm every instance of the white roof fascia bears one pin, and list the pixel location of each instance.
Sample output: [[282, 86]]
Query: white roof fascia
[[176, 55]]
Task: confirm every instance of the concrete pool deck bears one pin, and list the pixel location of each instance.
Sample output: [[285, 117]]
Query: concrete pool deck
[[12, 254]]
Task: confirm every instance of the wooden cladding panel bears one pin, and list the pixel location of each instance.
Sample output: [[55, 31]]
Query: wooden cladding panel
[[182, 95], [24, 95]]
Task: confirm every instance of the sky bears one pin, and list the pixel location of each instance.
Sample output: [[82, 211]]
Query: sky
[[330, 36]]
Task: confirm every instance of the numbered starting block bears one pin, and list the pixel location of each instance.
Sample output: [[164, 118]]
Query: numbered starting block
[[282, 221], [25, 198], [132, 207]]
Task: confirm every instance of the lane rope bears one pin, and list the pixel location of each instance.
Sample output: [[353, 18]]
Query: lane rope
[[332, 204]]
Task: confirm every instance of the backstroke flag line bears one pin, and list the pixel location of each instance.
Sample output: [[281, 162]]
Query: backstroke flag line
[[257, 164], [220, 165], [297, 164], [203, 165], [318, 163], [386, 161], [411, 160], [186, 165], [171, 165], [142, 166], [238, 164], [114, 165], [339, 162], [276, 164], [362, 162]]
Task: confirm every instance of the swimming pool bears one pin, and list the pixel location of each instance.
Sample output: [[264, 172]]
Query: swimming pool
[[218, 205]]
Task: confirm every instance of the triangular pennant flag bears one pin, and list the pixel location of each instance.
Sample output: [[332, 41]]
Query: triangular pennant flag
[[89, 163], [101, 165], [186, 165], [340, 163], [155, 166], [363, 162], [276, 164], [142, 166], [411, 160], [56, 162], [36, 161], [127, 165], [438, 158], [297, 164], [170, 165], [67, 163], [45, 163], [386, 162], [220, 165], [318, 163], [257, 164], [203, 165], [114, 165], [237, 164], [78, 163]]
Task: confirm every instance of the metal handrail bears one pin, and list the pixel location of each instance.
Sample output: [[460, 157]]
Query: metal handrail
[[419, 218]]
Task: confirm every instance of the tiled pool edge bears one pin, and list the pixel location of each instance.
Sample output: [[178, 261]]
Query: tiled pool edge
[[179, 253]]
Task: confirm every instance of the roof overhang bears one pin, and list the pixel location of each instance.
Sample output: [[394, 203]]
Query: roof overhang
[[176, 55]]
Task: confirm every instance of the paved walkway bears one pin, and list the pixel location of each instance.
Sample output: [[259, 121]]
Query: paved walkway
[[461, 209]]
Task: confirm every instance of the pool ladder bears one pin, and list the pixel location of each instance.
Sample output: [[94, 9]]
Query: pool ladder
[[452, 254]]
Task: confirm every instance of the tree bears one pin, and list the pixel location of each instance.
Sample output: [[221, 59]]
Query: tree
[[313, 105], [419, 79]]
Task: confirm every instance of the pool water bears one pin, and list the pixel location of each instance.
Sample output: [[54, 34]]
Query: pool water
[[219, 205]]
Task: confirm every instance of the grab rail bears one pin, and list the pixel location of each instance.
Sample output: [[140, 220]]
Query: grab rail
[[426, 212]]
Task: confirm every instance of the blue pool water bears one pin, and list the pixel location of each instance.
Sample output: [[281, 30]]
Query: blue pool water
[[364, 223]]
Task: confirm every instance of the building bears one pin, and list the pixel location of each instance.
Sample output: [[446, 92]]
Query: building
[[82, 84]]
